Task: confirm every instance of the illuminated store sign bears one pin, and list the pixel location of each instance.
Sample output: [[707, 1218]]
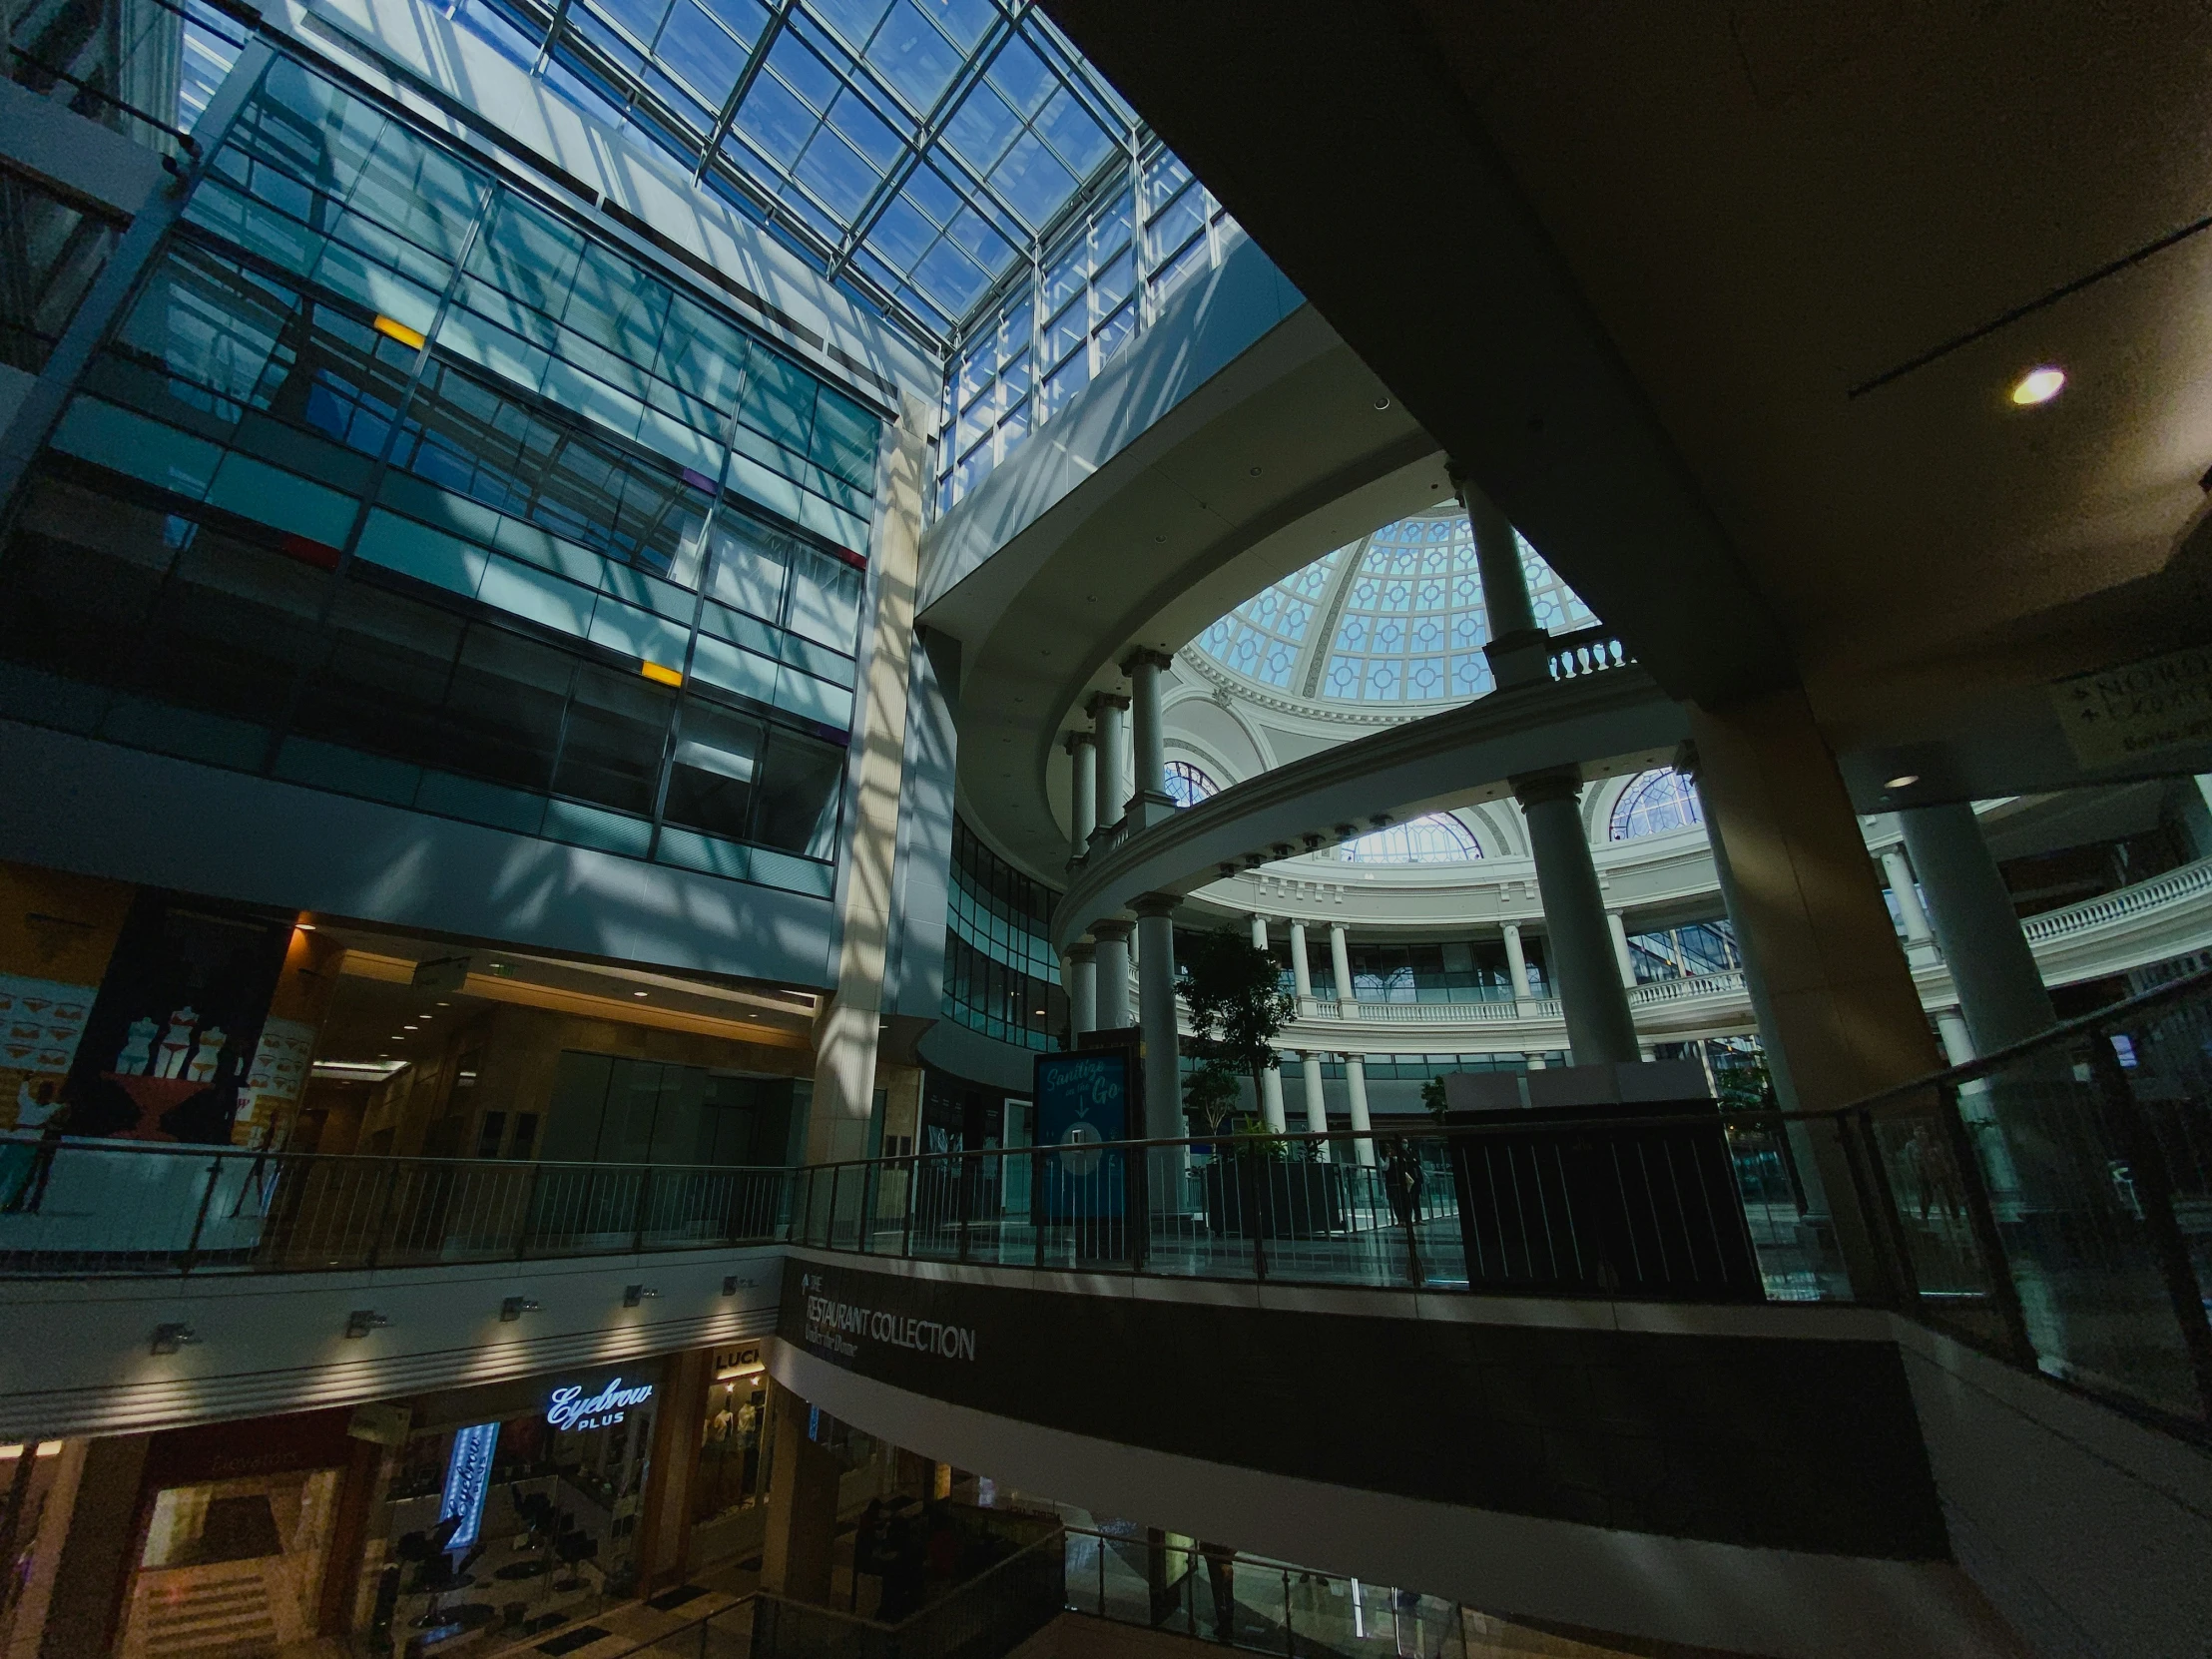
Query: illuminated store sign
[[467, 1479], [566, 1406]]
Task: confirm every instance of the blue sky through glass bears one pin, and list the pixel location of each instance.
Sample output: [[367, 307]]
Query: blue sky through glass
[[1404, 614], [916, 149]]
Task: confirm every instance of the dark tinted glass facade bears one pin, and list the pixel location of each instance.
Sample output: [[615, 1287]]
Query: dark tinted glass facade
[[391, 481], [1000, 976]]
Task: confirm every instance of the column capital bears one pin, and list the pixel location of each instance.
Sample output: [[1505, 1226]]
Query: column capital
[[1155, 904], [1145, 656], [1078, 738], [1099, 701], [1534, 788], [1336, 929], [1082, 952], [1112, 930]]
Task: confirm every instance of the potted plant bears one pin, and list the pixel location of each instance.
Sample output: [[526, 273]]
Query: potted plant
[[1232, 991]]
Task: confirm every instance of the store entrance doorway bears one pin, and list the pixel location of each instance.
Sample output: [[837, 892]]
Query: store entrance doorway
[[232, 1568]]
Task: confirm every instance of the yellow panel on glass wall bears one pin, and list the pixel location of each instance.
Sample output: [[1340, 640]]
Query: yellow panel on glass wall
[[666, 676], [399, 332]]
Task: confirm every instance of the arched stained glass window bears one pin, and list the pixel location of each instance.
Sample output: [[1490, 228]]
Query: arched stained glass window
[[1655, 802], [1188, 785], [1439, 839]]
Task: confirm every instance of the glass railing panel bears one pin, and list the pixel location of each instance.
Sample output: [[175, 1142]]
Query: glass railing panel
[[75, 1206], [2070, 1209], [79, 1205]]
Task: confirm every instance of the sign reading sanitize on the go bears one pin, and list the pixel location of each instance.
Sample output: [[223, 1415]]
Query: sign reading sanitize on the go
[[2126, 714]]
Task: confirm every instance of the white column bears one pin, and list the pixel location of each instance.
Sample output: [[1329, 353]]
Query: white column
[[2000, 989], [1082, 799], [1270, 1099], [1355, 1089], [1897, 869], [1083, 988], [1339, 963], [1302, 973], [1619, 930], [1259, 932], [1516, 961], [1951, 1028], [1107, 711], [1148, 776], [1112, 955], [1579, 948], [1317, 1105]]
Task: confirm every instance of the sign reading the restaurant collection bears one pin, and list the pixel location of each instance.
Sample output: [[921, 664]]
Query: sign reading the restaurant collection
[[2126, 714], [568, 1408], [837, 1327]]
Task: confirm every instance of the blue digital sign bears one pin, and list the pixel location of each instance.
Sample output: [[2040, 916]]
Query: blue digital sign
[[468, 1479], [1083, 1099]]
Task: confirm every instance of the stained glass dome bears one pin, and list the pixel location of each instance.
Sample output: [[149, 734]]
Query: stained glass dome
[[1394, 616]]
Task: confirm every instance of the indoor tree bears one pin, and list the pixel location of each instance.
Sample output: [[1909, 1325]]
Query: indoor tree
[[1233, 992]]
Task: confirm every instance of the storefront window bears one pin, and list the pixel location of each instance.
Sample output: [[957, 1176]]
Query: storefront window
[[524, 1517], [732, 1468]]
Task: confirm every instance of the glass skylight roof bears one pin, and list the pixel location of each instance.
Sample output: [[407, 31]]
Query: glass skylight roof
[[1394, 616], [916, 149]]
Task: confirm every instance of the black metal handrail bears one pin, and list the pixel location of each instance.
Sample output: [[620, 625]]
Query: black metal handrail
[[84, 1204]]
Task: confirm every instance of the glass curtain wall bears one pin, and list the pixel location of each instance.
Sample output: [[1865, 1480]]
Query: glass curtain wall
[[395, 482], [1475, 971], [145, 67], [1151, 228], [52, 248], [1000, 975], [1685, 953]]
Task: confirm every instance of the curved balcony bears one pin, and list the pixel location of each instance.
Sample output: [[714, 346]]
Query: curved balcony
[[1608, 721]]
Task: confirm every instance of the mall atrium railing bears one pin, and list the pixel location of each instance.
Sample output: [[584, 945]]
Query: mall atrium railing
[[2050, 1204], [106, 1205]]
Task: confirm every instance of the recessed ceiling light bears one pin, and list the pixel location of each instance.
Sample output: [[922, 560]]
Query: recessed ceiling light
[[304, 926], [411, 1028], [1903, 781], [641, 993], [2039, 386], [1382, 400], [445, 1004]]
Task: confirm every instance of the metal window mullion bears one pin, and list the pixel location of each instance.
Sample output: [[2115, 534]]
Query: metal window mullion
[[493, 192], [928, 129], [779, 11], [111, 294], [553, 27]]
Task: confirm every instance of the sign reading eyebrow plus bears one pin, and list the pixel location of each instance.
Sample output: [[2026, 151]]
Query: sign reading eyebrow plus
[[569, 1408]]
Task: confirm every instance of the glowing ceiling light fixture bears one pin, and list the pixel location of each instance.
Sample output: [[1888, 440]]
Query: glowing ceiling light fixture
[[1903, 781], [2039, 386]]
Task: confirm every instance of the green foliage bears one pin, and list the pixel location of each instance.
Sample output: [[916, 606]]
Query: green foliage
[[1744, 1085], [1209, 1095], [1432, 1097], [1231, 988]]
